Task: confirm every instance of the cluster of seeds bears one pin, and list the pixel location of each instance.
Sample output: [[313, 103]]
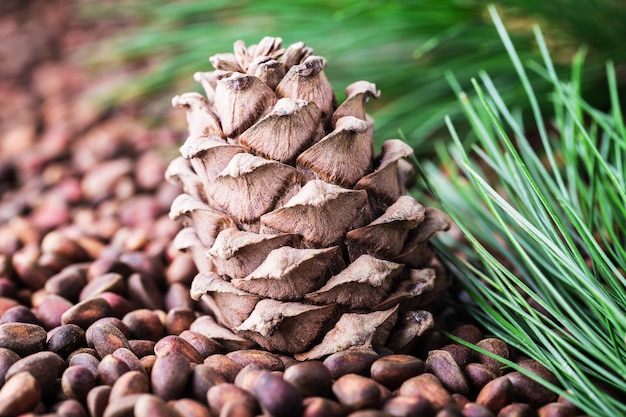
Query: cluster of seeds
[[156, 363]]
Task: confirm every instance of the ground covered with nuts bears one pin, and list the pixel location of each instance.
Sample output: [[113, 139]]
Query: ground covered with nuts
[[95, 312]]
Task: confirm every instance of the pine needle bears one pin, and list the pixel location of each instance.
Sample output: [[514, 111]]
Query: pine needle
[[558, 203]]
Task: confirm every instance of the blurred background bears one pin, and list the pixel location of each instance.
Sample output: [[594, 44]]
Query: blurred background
[[137, 54], [405, 47]]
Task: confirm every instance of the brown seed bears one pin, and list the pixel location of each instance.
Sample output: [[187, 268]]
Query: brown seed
[[479, 375], [443, 366], [182, 269], [460, 353], [322, 407], [556, 410], [179, 319], [91, 245], [7, 287], [86, 312], [476, 410], [100, 180], [87, 350], [130, 359], [496, 394], [529, 391], [97, 400], [177, 344], [109, 282], [247, 377], [311, 378], [51, 309], [7, 359], [51, 214], [52, 262], [69, 408], [29, 272], [65, 339], [120, 306], [110, 370], [141, 348], [393, 370], [263, 359], [19, 314], [427, 386], [276, 396], [59, 243], [204, 345], [219, 396], [469, 333], [44, 366], [186, 407], [408, 406], [143, 291], [152, 406], [77, 381], [460, 400], [201, 379], [517, 410], [356, 392], [136, 239], [36, 297], [115, 322], [224, 366], [495, 346], [69, 282], [178, 296], [84, 359], [148, 362], [288, 360], [19, 394], [108, 262], [132, 382], [237, 409], [7, 303], [144, 324], [537, 369], [351, 361], [106, 338], [385, 393], [147, 264], [22, 338], [169, 375]]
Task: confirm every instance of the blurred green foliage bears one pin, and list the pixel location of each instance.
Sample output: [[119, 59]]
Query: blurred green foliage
[[405, 47]]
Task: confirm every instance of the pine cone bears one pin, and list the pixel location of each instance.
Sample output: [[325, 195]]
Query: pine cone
[[304, 239]]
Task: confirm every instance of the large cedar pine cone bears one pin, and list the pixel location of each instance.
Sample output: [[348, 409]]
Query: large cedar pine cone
[[304, 239]]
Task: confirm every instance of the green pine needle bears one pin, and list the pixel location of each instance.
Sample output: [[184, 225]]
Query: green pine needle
[[545, 223]]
